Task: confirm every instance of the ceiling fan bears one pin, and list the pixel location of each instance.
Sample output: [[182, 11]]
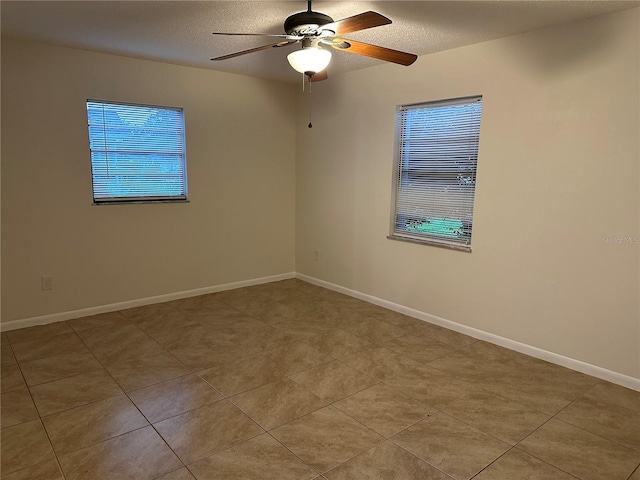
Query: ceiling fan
[[313, 29]]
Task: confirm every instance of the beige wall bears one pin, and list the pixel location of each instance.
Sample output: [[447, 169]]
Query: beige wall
[[558, 170], [240, 146]]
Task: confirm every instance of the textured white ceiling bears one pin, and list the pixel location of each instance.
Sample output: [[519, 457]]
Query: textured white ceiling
[[180, 31]]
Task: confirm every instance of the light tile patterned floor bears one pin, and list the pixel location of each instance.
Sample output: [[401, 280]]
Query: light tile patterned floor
[[290, 381]]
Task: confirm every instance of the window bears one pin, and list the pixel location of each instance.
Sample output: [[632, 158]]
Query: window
[[435, 172], [137, 153]]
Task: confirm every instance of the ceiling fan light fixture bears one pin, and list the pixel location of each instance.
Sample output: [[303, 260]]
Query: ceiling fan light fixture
[[309, 60]]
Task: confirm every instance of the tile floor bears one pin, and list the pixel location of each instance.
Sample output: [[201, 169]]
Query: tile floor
[[290, 381]]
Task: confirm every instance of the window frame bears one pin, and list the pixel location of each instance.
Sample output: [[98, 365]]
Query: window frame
[[140, 199], [429, 239]]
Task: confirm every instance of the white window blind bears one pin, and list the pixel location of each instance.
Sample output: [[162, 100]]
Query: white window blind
[[436, 160], [137, 152]]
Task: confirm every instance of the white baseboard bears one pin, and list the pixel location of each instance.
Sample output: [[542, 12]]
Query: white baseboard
[[578, 365], [593, 370], [140, 302]]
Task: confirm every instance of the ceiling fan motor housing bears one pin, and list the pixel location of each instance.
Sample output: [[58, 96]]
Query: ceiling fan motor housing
[[306, 23]]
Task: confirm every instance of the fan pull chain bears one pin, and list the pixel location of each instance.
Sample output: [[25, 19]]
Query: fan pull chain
[[310, 125], [309, 97]]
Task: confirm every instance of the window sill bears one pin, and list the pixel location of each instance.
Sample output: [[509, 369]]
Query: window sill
[[433, 243], [129, 202]]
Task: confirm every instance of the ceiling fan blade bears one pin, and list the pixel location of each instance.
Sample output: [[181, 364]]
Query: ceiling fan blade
[[257, 49], [381, 53], [288, 37], [319, 76], [358, 22]]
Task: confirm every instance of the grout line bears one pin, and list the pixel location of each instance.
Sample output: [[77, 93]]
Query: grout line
[[440, 411], [422, 459], [515, 447], [299, 315], [46, 432], [618, 444], [475, 475], [149, 424], [318, 473]]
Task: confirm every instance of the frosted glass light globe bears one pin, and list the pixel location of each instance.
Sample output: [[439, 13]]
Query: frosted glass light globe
[[309, 59]]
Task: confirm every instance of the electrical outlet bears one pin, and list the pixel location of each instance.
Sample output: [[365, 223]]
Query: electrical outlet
[[316, 256], [46, 283]]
